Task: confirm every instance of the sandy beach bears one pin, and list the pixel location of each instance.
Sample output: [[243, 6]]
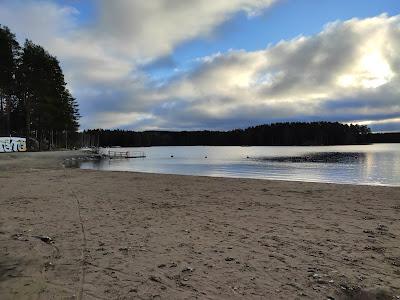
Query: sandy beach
[[77, 234]]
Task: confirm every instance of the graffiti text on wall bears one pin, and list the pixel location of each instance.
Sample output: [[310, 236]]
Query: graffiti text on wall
[[13, 144]]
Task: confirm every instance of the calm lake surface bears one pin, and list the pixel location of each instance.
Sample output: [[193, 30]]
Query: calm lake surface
[[377, 164]]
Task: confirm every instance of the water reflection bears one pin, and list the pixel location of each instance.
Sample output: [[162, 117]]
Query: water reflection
[[324, 157], [363, 164]]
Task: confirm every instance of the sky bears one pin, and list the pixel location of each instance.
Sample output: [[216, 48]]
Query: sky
[[221, 64]]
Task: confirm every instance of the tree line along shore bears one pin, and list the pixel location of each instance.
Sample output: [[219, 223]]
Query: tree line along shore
[[277, 134]]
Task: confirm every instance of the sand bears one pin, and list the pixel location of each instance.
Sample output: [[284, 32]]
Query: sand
[[117, 235]]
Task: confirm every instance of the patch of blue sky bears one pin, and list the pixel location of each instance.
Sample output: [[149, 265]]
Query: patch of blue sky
[[284, 21], [87, 10]]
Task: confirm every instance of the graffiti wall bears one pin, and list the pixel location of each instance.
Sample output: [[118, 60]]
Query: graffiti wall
[[13, 144]]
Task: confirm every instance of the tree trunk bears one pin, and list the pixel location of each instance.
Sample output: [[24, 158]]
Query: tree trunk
[[1, 116], [40, 133], [27, 116], [8, 116], [52, 140]]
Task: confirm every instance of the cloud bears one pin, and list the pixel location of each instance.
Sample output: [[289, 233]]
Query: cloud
[[105, 57], [347, 72], [147, 29]]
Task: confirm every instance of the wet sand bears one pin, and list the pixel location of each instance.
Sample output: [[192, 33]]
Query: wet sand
[[117, 235]]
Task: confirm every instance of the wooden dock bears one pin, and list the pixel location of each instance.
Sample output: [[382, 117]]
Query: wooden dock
[[125, 154]]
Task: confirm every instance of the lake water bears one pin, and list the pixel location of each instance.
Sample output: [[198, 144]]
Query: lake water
[[377, 164]]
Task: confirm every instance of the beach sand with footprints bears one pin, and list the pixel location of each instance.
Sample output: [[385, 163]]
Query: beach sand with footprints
[[77, 234]]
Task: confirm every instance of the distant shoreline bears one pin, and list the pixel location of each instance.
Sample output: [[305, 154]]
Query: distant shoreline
[[275, 134]]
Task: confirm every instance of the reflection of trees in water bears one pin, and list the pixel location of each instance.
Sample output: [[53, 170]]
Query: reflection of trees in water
[[327, 157]]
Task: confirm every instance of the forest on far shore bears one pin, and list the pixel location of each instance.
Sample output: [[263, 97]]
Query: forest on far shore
[[277, 134]]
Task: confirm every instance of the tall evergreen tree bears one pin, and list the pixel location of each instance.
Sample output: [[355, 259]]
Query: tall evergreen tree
[[9, 53], [48, 105], [34, 99]]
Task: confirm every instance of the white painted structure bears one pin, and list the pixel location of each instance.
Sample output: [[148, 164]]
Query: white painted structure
[[12, 144], [125, 154]]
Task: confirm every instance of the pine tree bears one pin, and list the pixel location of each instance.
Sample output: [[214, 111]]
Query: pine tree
[[49, 106], [9, 53]]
